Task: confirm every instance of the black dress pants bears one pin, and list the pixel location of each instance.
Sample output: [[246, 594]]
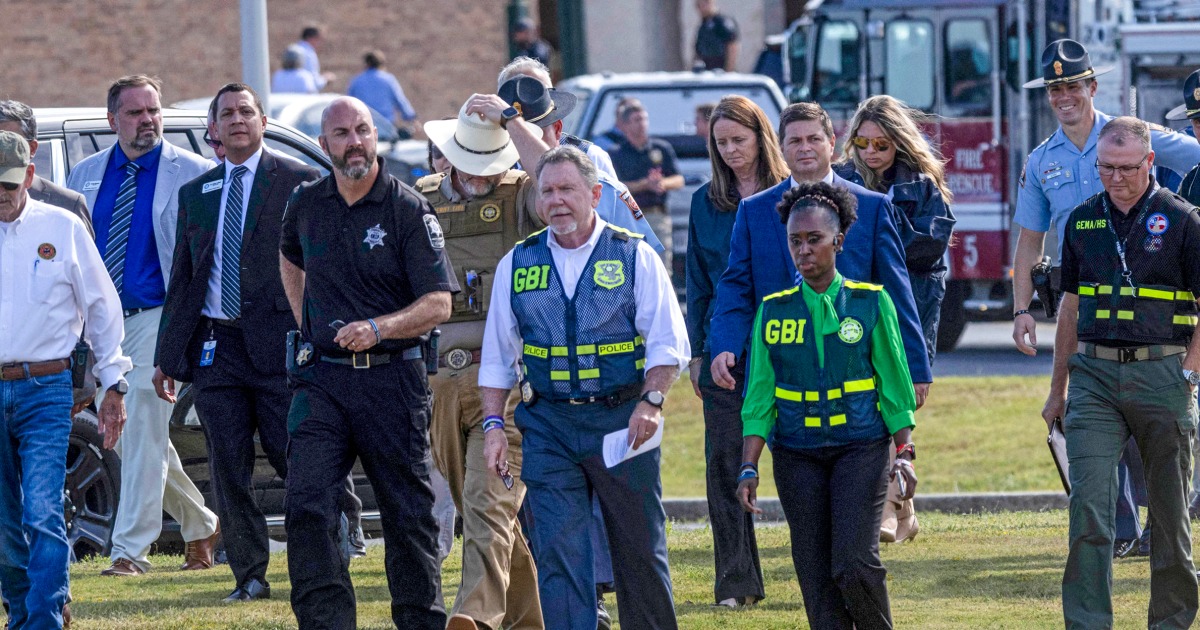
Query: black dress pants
[[380, 415], [234, 401], [735, 549], [833, 499]]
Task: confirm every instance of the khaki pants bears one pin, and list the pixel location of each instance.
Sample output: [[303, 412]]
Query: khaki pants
[[152, 477], [499, 580]]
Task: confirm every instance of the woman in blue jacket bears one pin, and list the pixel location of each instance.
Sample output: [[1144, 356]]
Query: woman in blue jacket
[[828, 386], [745, 161], [886, 153]]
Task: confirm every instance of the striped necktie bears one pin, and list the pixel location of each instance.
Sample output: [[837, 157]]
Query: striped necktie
[[231, 247], [118, 230]]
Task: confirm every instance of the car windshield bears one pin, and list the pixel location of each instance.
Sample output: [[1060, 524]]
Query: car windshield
[[672, 109]]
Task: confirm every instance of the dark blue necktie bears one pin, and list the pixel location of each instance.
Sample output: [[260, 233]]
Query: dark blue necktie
[[231, 248], [118, 230]]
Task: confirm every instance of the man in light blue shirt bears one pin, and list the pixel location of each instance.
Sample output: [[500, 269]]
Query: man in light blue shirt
[[310, 41], [380, 90]]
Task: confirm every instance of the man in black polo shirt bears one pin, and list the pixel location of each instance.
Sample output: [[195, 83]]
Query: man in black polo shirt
[[716, 39], [647, 167], [1126, 364], [359, 246]]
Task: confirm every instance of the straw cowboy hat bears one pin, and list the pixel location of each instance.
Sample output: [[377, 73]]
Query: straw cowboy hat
[[473, 144]]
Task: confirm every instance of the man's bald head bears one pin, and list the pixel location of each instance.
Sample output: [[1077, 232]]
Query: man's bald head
[[341, 106], [348, 136]]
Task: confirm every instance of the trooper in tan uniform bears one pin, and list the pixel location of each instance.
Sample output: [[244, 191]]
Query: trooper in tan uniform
[[483, 207]]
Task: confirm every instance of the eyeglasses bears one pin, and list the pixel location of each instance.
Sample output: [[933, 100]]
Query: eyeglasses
[[9, 186], [880, 144], [1107, 170], [216, 144]]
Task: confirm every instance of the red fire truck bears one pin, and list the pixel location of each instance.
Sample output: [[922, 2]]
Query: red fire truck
[[963, 62]]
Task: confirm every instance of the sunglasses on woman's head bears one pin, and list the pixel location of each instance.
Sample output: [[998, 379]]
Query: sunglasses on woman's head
[[880, 144]]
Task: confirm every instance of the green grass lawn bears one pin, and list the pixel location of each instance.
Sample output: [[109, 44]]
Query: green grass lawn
[[974, 435], [977, 571]]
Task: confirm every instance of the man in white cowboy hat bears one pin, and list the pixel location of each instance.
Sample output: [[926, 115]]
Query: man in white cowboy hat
[[484, 206]]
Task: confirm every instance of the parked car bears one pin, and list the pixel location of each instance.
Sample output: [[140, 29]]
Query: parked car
[[406, 158], [92, 490], [670, 99]]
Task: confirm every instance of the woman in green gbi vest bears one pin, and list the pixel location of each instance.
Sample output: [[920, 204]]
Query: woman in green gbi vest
[[829, 388]]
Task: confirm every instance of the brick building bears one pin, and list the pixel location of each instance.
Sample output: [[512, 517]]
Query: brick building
[[65, 53]]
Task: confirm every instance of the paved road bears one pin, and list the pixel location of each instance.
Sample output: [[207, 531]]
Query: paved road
[[987, 349]]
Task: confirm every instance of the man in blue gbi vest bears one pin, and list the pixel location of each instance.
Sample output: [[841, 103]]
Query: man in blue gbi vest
[[585, 314]]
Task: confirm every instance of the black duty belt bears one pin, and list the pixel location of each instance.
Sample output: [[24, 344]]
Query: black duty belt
[[364, 360], [130, 312], [1129, 355], [615, 399], [227, 323], [21, 371]]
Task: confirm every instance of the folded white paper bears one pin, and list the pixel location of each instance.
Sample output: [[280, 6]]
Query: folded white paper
[[616, 445]]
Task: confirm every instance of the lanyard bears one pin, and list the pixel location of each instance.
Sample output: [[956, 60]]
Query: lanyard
[[1126, 275]]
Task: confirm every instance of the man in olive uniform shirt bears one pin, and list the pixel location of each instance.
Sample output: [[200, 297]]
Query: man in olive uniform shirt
[[1125, 364], [484, 207]]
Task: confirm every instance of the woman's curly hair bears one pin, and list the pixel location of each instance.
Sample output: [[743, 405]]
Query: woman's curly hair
[[836, 199]]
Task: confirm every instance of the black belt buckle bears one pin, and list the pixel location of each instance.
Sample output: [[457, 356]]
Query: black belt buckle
[[366, 360], [1127, 355]]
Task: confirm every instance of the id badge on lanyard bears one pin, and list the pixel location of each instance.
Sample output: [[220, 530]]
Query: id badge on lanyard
[[208, 351]]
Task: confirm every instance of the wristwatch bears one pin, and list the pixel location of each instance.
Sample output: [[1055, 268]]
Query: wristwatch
[[655, 398], [120, 387], [1191, 377], [909, 448], [507, 115]]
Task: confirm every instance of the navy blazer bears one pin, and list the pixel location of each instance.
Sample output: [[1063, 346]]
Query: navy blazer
[[760, 264]]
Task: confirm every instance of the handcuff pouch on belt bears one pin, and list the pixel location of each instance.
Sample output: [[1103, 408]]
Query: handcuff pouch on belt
[[1043, 285], [429, 347]]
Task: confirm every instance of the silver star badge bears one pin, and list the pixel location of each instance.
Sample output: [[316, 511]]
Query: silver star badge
[[374, 236]]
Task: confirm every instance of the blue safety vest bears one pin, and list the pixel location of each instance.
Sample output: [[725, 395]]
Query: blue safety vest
[[586, 345], [834, 405]]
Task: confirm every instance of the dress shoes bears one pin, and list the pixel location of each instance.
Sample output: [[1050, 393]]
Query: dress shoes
[[122, 567], [461, 622], [198, 554], [251, 590]]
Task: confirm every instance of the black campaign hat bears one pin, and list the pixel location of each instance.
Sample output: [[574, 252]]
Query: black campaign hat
[[538, 104], [1064, 61], [1191, 99]]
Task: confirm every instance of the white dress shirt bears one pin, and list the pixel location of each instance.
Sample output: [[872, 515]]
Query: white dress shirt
[[828, 179], [52, 279], [658, 319], [212, 302]]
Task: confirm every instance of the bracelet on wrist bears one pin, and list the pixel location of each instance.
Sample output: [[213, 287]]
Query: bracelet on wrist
[[1021, 312], [750, 465], [492, 422], [378, 337], [748, 473]]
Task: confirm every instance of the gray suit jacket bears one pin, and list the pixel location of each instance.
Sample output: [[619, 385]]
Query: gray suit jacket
[[47, 191], [176, 167]]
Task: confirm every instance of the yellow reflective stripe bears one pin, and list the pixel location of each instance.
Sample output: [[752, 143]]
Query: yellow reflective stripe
[[1185, 295], [1102, 313], [639, 364], [812, 396], [638, 341], [1105, 290], [588, 349], [812, 423], [558, 351], [593, 373], [834, 394], [1186, 320], [560, 375], [1126, 291], [1087, 290], [1126, 315], [535, 351], [836, 420], [861, 385], [789, 395], [851, 284], [1156, 294], [616, 348]]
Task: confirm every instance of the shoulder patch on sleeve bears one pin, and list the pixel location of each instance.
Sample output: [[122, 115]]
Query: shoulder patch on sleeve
[[434, 230], [1024, 167]]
